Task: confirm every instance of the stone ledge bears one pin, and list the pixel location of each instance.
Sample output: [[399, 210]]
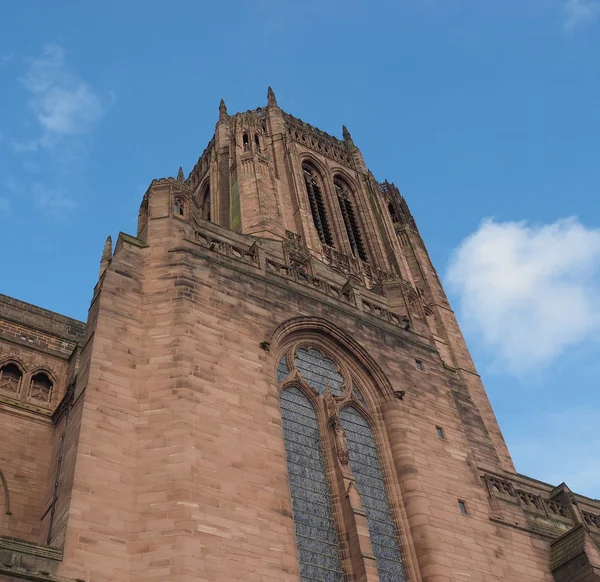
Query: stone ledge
[[21, 574], [31, 548], [23, 560]]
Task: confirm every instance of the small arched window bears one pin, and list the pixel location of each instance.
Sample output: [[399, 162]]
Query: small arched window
[[317, 205], [257, 142], [350, 221], [10, 378], [178, 207], [393, 214], [40, 387], [246, 142]]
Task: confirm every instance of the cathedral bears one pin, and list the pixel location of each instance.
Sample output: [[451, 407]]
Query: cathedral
[[271, 386]]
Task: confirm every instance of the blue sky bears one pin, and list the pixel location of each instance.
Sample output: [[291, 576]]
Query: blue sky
[[485, 114]]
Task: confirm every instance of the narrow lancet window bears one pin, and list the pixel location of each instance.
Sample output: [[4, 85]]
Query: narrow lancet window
[[316, 535], [178, 207], [246, 142], [205, 202], [393, 214], [366, 467], [350, 221], [257, 143], [317, 205]]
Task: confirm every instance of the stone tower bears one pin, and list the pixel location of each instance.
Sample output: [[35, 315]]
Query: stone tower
[[271, 386]]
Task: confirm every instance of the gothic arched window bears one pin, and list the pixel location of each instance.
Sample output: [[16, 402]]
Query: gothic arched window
[[205, 202], [308, 369], [257, 143], [317, 205], [10, 378], [392, 211], [178, 207], [350, 220], [246, 142], [40, 387]]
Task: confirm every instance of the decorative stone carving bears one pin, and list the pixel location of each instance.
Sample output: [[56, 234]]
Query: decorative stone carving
[[40, 388], [318, 140], [499, 486], [297, 255], [10, 379], [353, 268], [333, 419], [591, 519]]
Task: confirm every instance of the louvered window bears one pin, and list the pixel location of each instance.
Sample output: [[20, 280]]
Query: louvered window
[[317, 205], [350, 220]]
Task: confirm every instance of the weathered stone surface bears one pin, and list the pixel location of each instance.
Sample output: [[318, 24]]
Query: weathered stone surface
[[160, 455]]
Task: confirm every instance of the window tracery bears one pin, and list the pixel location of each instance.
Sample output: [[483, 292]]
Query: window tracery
[[318, 371], [10, 378], [317, 205], [307, 367], [205, 202], [178, 207], [40, 387], [350, 220]]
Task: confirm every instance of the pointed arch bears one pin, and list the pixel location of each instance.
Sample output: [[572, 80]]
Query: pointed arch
[[204, 200], [351, 223], [366, 466], [4, 485], [11, 377], [313, 182], [366, 369]]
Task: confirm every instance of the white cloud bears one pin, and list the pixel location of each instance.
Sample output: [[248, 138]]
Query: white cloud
[[528, 292], [63, 104], [580, 12], [53, 202]]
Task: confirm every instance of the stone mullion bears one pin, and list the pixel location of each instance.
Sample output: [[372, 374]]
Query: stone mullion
[[314, 209], [355, 230], [328, 239], [357, 552], [338, 223], [349, 231]]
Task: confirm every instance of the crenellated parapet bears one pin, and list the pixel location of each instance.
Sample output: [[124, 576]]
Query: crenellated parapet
[[518, 501], [319, 141]]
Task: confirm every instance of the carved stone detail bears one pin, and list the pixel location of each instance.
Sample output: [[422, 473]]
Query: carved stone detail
[[296, 254], [333, 419], [318, 140]]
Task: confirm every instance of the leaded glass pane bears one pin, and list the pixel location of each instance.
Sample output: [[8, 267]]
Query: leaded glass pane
[[316, 536], [319, 371], [283, 370], [364, 462]]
